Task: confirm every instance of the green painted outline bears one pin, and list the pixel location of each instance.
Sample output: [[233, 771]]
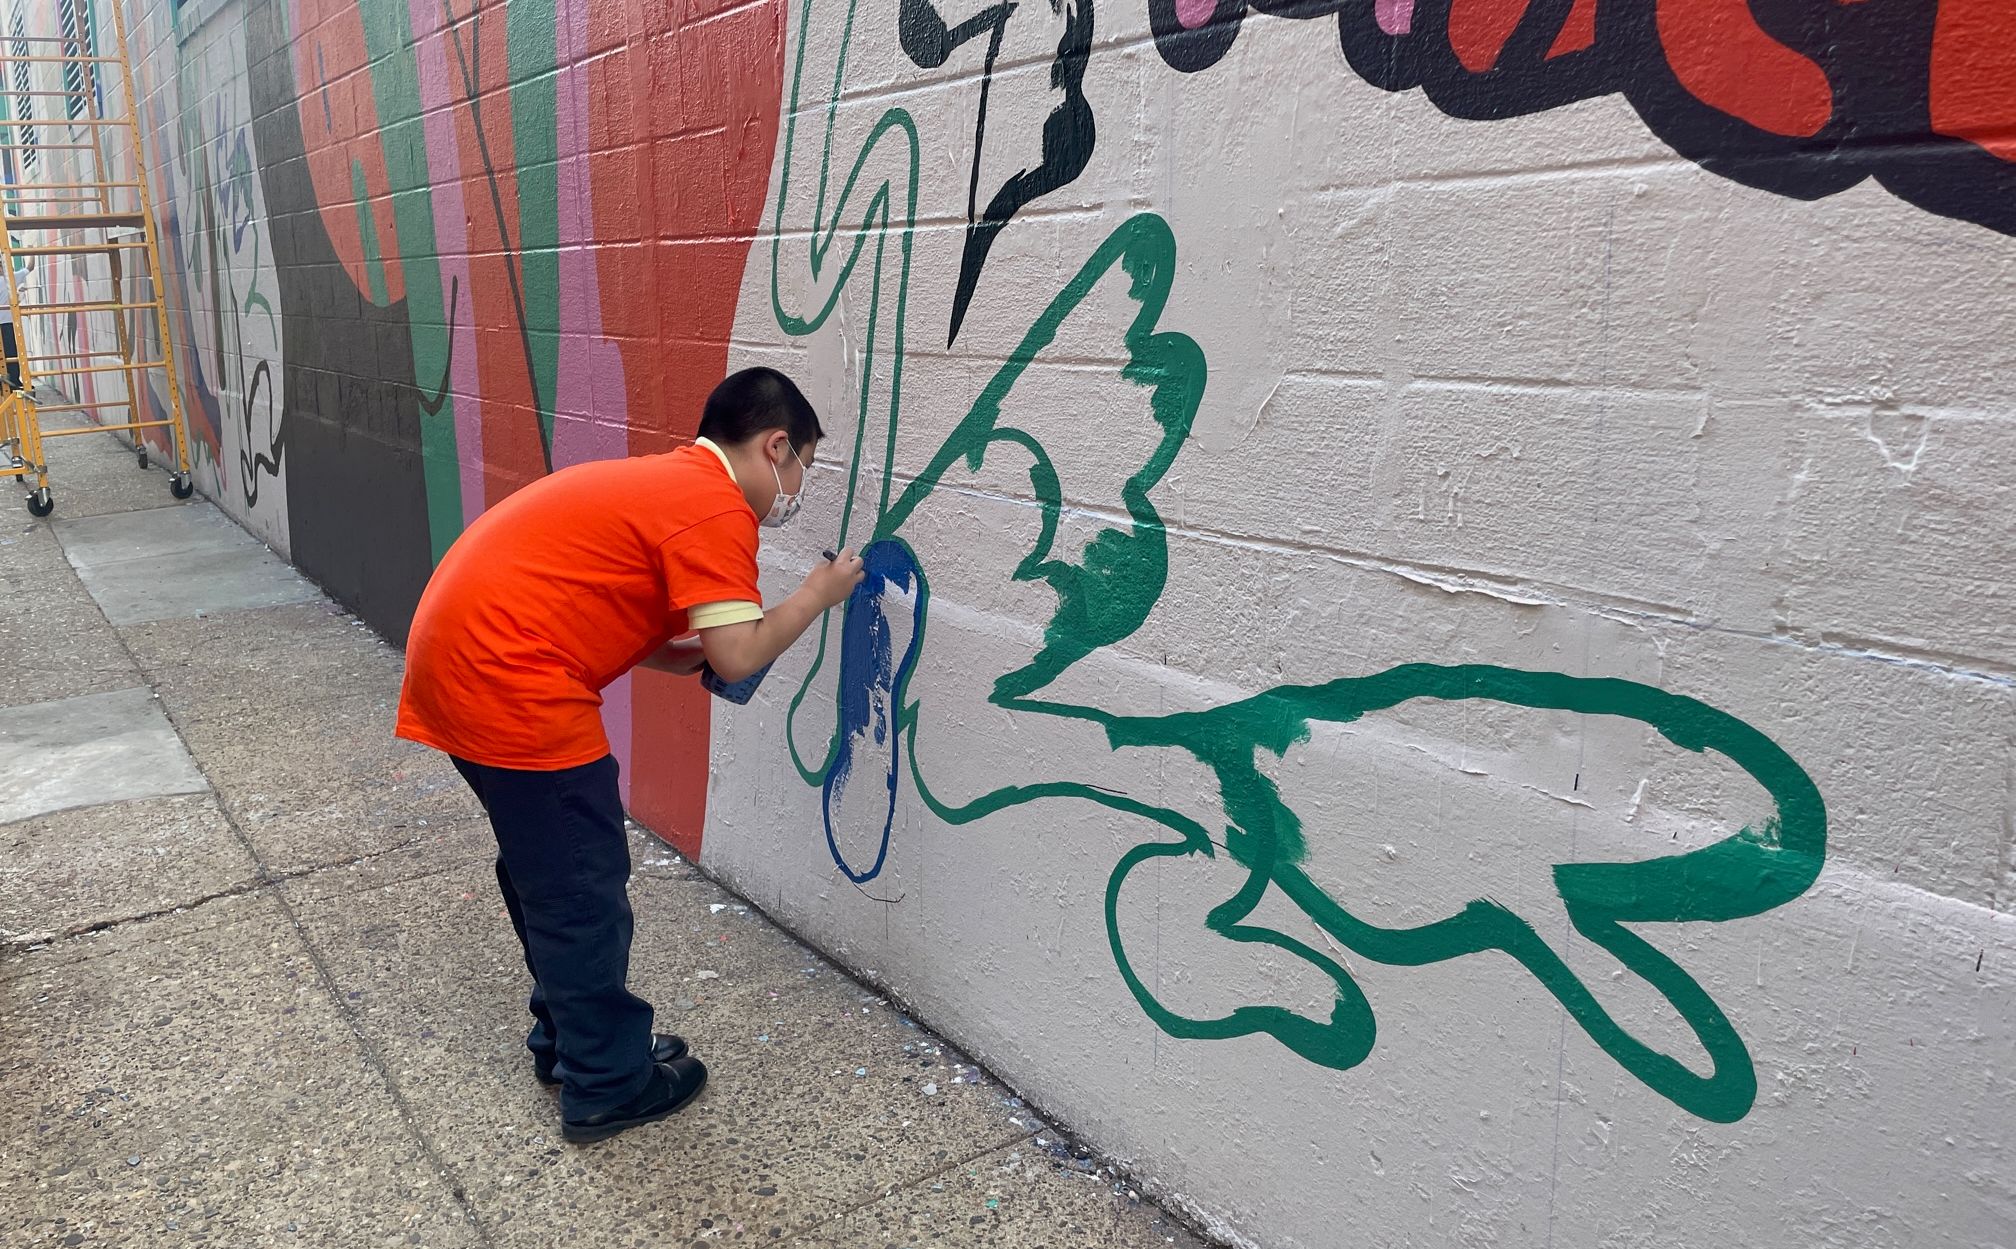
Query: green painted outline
[[1747, 873]]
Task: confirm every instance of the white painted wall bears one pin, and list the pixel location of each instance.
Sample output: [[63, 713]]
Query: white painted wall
[[1532, 393]]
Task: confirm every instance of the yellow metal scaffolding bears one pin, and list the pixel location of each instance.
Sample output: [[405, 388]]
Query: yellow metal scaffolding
[[108, 217]]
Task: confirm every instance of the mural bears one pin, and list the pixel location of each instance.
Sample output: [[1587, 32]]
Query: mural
[[1105, 591], [1800, 97], [1804, 98], [218, 248], [1068, 132]]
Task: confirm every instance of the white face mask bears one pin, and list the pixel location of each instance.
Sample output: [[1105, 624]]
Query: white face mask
[[784, 506]]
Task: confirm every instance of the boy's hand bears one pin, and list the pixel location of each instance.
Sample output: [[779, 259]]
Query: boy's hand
[[681, 658], [831, 581], [686, 656]]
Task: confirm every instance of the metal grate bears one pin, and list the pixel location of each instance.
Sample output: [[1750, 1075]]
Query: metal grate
[[77, 41], [26, 131]]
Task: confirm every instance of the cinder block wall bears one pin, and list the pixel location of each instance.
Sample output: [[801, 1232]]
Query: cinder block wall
[[1438, 667]]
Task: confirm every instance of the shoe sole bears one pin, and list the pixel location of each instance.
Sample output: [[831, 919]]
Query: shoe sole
[[603, 1131]]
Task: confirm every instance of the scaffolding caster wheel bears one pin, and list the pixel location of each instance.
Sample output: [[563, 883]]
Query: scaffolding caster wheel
[[180, 486], [41, 503], [141, 455]]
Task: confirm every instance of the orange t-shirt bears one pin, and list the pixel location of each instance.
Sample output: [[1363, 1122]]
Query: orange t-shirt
[[560, 589]]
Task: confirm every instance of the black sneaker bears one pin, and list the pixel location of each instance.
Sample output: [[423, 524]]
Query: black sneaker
[[664, 1048], [672, 1085]]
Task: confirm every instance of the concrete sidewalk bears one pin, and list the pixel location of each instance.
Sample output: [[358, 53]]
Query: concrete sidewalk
[[257, 987]]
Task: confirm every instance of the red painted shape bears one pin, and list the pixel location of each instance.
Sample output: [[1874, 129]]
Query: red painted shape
[[682, 131], [339, 131], [1478, 30], [1973, 90], [1727, 61], [1578, 32]]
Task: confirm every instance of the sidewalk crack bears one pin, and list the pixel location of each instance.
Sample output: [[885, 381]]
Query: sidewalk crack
[[902, 1185]]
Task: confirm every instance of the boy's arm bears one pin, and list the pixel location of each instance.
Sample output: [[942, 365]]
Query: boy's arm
[[683, 657], [737, 651]]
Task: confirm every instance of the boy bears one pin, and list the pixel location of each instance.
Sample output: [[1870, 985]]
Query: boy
[[544, 600]]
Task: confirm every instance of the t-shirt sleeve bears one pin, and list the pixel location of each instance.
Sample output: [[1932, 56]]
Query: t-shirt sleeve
[[712, 561], [714, 615]]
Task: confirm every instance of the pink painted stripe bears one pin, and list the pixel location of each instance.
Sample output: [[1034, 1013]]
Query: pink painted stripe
[[451, 246], [616, 723], [589, 417]]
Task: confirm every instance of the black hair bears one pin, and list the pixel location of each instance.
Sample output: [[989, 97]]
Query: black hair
[[756, 401]]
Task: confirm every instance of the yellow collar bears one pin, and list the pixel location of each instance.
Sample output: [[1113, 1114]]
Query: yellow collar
[[720, 455]]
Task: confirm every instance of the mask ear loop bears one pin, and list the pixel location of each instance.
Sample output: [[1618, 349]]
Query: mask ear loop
[[803, 470]]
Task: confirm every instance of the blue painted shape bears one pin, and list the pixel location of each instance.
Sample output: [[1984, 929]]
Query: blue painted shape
[[872, 681]]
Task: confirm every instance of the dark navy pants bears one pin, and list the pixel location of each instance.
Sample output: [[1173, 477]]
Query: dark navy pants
[[563, 864], [13, 350]]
